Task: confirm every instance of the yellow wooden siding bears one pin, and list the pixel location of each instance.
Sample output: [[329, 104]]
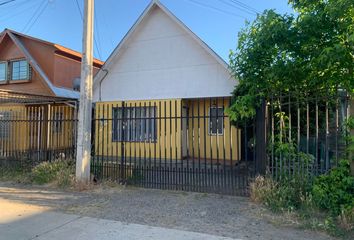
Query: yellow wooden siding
[[16, 138], [32, 128], [168, 131], [202, 144], [64, 137]]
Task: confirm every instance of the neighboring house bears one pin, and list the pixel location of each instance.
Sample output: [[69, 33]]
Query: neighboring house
[[162, 70], [38, 90]]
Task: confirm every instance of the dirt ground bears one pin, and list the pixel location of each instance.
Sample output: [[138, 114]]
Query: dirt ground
[[227, 216]]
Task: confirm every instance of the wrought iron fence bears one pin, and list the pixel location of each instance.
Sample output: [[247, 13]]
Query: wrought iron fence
[[306, 135], [183, 144], [30, 134], [171, 144]]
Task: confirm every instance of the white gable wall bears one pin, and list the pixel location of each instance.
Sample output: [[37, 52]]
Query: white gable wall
[[162, 61]]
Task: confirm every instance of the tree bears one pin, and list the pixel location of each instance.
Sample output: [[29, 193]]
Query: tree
[[311, 53]]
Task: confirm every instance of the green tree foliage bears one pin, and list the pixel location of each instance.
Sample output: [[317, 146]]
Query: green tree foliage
[[310, 53], [335, 191]]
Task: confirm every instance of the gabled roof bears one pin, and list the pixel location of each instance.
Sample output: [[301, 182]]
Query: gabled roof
[[154, 3], [59, 49], [57, 91]]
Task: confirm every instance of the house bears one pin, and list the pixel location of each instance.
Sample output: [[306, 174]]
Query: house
[[162, 94], [38, 93]]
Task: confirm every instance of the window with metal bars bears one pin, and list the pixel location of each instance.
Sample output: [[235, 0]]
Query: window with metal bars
[[216, 121], [135, 124]]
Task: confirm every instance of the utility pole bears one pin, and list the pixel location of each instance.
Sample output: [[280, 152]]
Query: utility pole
[[83, 155]]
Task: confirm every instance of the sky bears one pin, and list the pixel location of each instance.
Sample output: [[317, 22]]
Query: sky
[[216, 22]]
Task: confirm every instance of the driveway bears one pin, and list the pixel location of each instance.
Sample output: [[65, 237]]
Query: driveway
[[131, 213]]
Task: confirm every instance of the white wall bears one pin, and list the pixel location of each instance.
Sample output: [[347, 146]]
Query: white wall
[[161, 61]]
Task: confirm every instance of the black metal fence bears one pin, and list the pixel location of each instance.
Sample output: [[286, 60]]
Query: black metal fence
[[306, 135], [171, 144], [183, 144], [30, 134]]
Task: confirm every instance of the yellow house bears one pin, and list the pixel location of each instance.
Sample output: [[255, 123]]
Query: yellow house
[[162, 95]]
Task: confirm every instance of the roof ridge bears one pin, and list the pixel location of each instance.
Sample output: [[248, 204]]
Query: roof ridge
[[56, 45]]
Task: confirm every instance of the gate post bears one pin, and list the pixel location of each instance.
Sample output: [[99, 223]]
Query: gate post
[[261, 139]]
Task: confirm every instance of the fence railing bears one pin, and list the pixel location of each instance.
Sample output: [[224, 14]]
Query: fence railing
[[306, 135], [171, 144], [183, 144], [33, 134]]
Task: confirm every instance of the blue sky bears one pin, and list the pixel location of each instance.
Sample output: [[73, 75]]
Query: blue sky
[[217, 22]]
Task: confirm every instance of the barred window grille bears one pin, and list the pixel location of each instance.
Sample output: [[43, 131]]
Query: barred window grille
[[216, 121], [137, 125]]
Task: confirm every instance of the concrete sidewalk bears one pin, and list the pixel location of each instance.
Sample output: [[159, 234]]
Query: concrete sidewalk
[[23, 221]]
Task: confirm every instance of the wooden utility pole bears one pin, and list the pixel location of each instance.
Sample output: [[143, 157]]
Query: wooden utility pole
[[83, 156]]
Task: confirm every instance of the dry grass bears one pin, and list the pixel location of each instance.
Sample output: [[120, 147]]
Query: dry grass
[[260, 188]]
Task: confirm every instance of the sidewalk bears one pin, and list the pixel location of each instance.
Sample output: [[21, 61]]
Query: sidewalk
[[23, 221]]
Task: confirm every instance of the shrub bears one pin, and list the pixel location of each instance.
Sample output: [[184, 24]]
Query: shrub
[[59, 172], [15, 173], [335, 191], [286, 194]]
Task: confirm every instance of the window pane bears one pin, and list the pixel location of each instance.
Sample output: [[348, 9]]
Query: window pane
[[2, 71], [216, 120], [140, 124], [20, 70]]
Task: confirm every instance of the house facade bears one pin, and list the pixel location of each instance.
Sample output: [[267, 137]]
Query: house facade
[[38, 93], [163, 92]]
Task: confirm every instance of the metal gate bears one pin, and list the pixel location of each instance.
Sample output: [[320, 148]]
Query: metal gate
[[172, 144]]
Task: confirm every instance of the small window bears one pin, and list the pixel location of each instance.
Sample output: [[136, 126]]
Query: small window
[[216, 120], [20, 70], [58, 122], [3, 71]]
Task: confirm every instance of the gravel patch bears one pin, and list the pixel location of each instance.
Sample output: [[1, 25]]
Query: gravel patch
[[227, 216]]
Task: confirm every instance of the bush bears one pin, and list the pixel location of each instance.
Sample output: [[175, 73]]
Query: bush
[[15, 173], [286, 194], [335, 191], [59, 172]]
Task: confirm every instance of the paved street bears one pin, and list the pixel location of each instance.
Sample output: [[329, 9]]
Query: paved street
[[117, 212], [24, 222]]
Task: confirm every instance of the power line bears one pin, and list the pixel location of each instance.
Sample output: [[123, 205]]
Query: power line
[[38, 10], [237, 7], [9, 1], [39, 15], [11, 14], [217, 9], [97, 31], [244, 5], [82, 19]]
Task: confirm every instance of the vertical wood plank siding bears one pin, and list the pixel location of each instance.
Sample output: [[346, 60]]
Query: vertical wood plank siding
[[37, 128], [169, 132]]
